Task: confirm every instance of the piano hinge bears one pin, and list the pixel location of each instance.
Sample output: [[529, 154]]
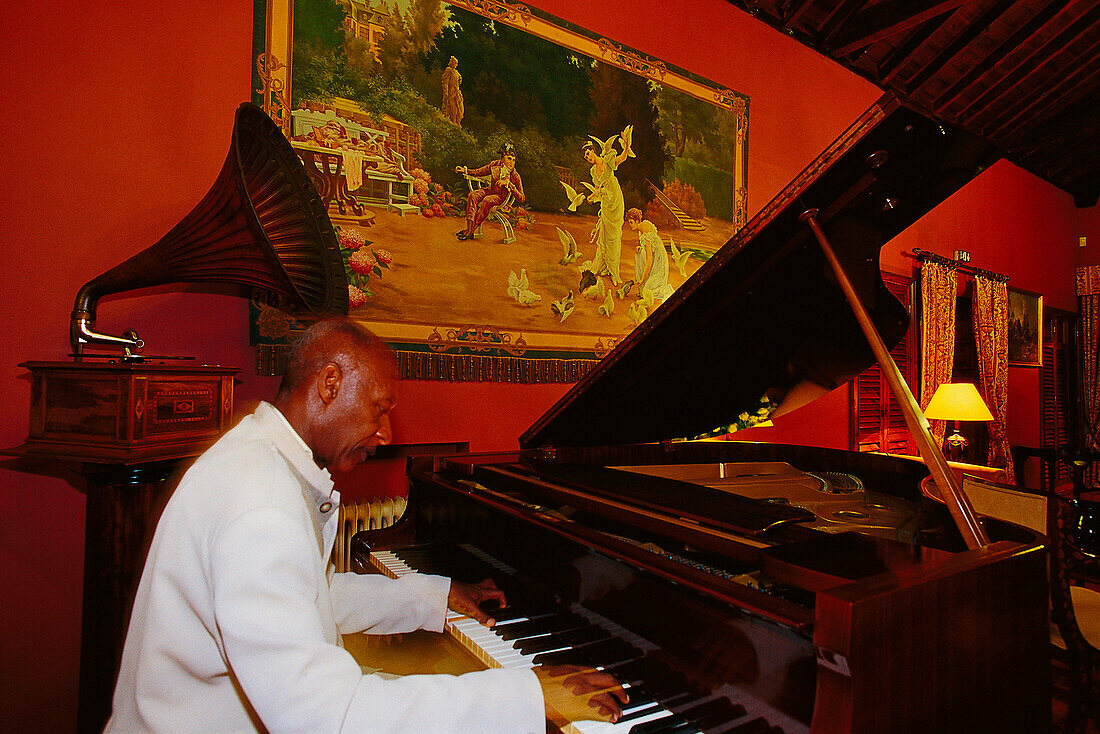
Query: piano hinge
[[833, 661], [548, 453]]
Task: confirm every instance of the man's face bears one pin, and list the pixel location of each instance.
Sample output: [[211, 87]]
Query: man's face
[[510, 160], [357, 421]]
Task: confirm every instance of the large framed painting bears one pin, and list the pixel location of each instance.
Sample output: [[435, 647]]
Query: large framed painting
[[1025, 328], [512, 193]]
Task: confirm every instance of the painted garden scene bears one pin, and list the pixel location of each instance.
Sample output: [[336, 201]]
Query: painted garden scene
[[488, 168]]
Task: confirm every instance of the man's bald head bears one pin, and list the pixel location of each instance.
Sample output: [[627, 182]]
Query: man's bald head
[[337, 341], [338, 389]]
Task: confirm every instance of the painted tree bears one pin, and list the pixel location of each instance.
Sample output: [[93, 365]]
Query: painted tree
[[694, 128], [319, 58], [620, 98]]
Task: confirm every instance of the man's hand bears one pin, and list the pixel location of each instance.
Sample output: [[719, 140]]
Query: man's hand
[[574, 693], [465, 598]]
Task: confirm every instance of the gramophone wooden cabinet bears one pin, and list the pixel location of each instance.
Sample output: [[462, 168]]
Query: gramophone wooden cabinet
[[125, 428], [126, 412]]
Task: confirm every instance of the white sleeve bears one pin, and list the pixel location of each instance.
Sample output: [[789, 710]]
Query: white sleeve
[[380, 605], [495, 701], [264, 581]]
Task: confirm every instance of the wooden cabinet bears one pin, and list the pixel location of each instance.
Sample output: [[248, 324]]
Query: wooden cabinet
[[124, 428]]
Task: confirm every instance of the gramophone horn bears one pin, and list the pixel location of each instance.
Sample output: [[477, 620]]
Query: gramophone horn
[[261, 224]]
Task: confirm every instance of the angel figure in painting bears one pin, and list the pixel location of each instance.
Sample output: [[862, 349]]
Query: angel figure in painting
[[650, 258], [608, 232]]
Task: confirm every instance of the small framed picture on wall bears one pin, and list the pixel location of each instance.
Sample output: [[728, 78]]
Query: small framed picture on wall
[[1025, 328]]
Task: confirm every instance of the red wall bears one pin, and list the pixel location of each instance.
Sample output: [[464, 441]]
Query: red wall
[[119, 117]]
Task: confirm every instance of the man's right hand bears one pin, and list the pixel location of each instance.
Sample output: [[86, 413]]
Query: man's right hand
[[575, 693]]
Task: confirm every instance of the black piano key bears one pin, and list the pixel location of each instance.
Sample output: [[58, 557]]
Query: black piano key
[[579, 636], [521, 616], [459, 564], [499, 613], [448, 561], [635, 671], [613, 654], [595, 654], [669, 725], [715, 712], [542, 626], [636, 712], [638, 699], [529, 599], [667, 686], [682, 700]]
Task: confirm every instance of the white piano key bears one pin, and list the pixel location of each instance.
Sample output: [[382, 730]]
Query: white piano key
[[606, 727]]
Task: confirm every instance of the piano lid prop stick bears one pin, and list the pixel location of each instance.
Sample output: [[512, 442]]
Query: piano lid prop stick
[[957, 503]]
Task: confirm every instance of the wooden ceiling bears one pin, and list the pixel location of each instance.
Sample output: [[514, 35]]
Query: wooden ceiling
[[1024, 74]]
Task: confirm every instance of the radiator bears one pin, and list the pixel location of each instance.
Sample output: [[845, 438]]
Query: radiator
[[366, 515]]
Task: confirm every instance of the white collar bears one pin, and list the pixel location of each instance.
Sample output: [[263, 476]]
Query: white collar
[[317, 488]]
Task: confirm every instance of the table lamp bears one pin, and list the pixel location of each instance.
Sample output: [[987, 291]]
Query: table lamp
[[957, 401]]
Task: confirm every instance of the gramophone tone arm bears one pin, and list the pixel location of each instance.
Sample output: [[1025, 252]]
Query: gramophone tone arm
[[80, 333]]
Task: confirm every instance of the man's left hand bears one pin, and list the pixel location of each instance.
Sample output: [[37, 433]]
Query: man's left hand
[[466, 598]]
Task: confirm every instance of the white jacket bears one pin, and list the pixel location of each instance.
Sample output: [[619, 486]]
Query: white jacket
[[237, 621]]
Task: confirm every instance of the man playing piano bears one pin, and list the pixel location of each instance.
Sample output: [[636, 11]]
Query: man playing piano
[[238, 618]]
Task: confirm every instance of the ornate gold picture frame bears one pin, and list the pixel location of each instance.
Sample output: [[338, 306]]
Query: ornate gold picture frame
[[480, 161], [1025, 328]]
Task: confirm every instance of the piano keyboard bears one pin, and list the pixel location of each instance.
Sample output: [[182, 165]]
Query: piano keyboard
[[533, 631]]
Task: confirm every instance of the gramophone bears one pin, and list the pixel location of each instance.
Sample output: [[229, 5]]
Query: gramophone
[[260, 225], [123, 421]]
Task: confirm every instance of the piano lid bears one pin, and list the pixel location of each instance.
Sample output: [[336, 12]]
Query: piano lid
[[765, 317]]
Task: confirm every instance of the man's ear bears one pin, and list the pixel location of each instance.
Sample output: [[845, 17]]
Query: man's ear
[[329, 380]]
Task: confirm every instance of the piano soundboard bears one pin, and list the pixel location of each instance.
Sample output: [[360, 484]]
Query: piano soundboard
[[535, 630]]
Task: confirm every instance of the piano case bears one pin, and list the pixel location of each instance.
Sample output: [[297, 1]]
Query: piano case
[[743, 586]]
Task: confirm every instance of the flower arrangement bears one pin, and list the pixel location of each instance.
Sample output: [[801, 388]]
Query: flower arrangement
[[762, 415], [432, 198], [361, 261]]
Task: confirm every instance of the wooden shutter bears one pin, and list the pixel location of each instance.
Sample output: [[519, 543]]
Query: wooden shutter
[[1057, 385], [877, 423]]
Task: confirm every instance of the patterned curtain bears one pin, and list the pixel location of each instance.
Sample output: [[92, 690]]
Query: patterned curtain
[[938, 287], [1088, 303], [990, 316]]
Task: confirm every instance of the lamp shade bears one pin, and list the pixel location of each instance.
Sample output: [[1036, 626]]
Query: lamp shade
[[957, 401]]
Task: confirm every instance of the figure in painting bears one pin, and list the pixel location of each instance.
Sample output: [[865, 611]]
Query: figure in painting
[[650, 258], [503, 181], [453, 108], [608, 232]]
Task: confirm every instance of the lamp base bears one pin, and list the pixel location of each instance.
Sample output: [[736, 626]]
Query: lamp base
[[955, 445]]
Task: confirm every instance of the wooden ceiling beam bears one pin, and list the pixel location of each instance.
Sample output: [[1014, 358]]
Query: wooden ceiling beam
[[895, 62], [793, 11], [838, 18], [1058, 92], [1003, 50], [975, 29], [885, 20], [1028, 63]]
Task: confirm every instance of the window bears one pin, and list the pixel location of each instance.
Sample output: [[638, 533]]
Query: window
[[1057, 385], [878, 423]]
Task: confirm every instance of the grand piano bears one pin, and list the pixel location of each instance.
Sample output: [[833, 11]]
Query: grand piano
[[747, 587]]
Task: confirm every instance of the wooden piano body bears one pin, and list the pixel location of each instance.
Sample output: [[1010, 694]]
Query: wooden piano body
[[778, 588]]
